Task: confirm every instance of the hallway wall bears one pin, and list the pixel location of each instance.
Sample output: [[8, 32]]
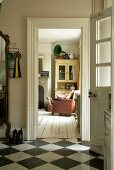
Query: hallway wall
[[13, 21]]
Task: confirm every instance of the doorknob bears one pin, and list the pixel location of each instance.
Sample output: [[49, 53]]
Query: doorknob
[[91, 94]]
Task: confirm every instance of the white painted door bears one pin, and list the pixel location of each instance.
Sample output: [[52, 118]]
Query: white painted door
[[100, 75]]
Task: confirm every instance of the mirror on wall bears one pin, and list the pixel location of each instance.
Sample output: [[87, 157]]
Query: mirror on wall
[[4, 49]]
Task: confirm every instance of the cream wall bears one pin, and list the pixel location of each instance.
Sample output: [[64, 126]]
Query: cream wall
[[68, 47], [13, 21]]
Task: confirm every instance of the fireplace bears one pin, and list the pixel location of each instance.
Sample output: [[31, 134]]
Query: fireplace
[[43, 91], [41, 97]]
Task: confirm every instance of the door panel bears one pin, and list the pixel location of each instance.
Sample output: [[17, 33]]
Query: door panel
[[100, 76], [72, 72], [61, 72]]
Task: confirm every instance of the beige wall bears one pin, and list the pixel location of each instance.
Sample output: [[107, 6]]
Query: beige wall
[[13, 21], [68, 47]]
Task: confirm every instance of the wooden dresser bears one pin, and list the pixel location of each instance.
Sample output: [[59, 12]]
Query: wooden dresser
[[66, 75]]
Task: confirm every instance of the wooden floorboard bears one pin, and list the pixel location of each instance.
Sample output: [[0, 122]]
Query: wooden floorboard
[[56, 126]]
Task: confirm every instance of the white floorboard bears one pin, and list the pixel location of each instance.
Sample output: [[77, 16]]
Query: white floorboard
[[56, 126]]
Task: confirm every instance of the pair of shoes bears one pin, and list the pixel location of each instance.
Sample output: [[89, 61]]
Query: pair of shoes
[[20, 136], [17, 137]]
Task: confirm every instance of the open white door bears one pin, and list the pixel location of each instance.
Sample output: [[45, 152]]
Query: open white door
[[100, 76]]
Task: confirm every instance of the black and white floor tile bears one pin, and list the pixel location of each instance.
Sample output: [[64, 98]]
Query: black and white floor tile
[[49, 154]]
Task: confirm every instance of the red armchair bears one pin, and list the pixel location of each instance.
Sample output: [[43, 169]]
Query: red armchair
[[63, 106]]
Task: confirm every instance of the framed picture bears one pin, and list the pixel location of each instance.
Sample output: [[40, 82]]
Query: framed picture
[[45, 73]]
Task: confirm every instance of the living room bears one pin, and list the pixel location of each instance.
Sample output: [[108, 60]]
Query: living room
[[69, 40], [69, 43]]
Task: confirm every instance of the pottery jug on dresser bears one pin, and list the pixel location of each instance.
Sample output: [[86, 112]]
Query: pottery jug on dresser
[[71, 56]]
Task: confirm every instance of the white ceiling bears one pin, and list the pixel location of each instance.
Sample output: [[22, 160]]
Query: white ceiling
[[52, 35]]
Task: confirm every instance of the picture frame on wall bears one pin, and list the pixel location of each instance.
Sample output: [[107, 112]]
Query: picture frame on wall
[[45, 73]]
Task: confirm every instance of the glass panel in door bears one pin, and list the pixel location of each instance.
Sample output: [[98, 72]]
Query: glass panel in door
[[103, 28], [103, 52], [103, 76], [72, 72], [61, 72]]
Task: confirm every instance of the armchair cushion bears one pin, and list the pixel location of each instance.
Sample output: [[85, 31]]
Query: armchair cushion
[[62, 96], [66, 96], [70, 95]]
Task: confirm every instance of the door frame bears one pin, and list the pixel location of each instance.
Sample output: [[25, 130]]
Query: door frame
[[33, 24], [112, 95]]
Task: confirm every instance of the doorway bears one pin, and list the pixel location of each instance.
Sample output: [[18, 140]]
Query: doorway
[[70, 42], [33, 24]]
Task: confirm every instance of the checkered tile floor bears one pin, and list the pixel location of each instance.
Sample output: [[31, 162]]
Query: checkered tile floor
[[49, 154]]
